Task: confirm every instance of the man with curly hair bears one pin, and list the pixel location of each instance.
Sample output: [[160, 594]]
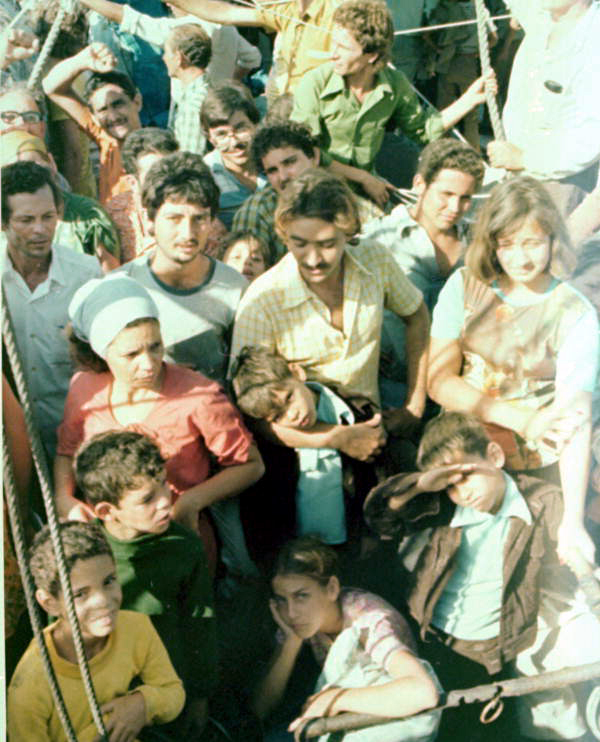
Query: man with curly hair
[[348, 102]]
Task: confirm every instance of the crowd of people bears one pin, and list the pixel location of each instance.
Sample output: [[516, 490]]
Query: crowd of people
[[284, 326]]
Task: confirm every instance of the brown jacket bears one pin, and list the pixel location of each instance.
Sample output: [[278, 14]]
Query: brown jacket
[[527, 548]]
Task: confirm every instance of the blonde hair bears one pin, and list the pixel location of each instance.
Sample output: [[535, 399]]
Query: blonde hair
[[317, 194], [510, 203]]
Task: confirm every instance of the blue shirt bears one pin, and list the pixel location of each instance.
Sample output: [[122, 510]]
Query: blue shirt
[[470, 605]]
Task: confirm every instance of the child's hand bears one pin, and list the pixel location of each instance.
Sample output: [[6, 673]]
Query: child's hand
[[288, 632], [362, 441], [443, 477], [98, 58], [126, 717]]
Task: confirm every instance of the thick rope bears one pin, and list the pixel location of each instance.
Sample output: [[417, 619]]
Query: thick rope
[[46, 50], [484, 56], [16, 527], [41, 466]]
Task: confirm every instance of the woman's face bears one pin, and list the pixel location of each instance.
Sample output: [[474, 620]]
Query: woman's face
[[305, 605], [524, 255], [135, 356]]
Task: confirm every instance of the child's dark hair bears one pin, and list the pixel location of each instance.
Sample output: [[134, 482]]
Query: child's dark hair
[[307, 556], [232, 238], [448, 434], [110, 463], [80, 541], [257, 375]]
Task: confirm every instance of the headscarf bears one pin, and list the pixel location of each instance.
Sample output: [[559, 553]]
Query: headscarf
[[103, 307]]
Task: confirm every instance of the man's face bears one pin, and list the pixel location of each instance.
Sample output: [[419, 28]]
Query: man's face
[[13, 107], [283, 164], [318, 247], [181, 230], [116, 112], [233, 139], [445, 201], [347, 55], [31, 225]]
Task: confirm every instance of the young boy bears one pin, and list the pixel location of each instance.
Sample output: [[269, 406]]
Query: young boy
[[161, 566], [269, 388], [488, 580], [121, 647], [246, 253]]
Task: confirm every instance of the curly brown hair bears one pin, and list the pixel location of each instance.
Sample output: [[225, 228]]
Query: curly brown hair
[[370, 23]]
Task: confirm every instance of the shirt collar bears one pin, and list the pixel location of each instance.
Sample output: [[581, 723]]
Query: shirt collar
[[513, 506], [335, 85], [296, 290], [56, 272]]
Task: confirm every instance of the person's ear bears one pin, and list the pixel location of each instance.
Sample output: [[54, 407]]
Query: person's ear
[[317, 156], [150, 224], [333, 588], [48, 602], [495, 455], [297, 371], [103, 510], [137, 99], [418, 185]]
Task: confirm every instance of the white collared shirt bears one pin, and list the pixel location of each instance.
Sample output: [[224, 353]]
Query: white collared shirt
[[39, 318]]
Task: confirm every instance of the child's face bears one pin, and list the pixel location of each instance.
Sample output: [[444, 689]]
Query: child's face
[[246, 257], [524, 255], [143, 509], [97, 596], [298, 405], [481, 489]]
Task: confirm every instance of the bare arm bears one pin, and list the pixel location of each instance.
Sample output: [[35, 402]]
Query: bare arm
[[57, 83], [112, 11], [377, 188], [470, 99], [410, 691], [417, 339], [270, 690], [230, 481], [220, 12], [574, 465], [361, 441], [447, 388]]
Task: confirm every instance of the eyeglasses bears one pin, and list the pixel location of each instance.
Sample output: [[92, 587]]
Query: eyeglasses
[[223, 137], [27, 117]]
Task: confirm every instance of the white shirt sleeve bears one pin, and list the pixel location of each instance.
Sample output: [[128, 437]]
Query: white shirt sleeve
[[153, 30], [577, 360], [449, 312]]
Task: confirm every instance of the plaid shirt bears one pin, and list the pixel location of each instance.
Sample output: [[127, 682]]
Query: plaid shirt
[[184, 116], [281, 313]]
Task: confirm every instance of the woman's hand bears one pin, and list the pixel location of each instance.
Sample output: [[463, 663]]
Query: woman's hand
[[554, 427], [288, 632], [575, 544], [318, 705]]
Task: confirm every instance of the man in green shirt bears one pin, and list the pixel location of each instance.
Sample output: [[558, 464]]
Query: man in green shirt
[[348, 101]]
